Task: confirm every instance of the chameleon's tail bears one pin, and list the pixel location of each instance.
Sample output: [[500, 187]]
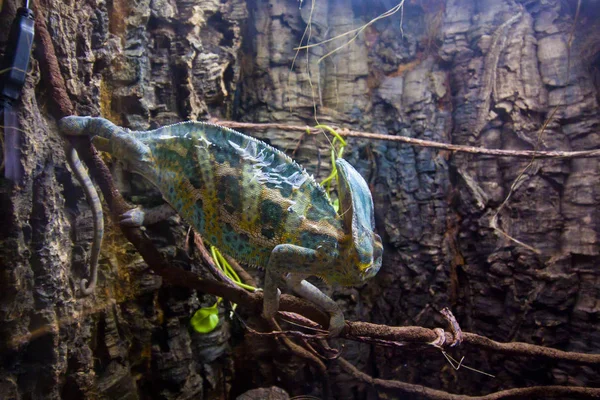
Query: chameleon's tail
[[79, 126], [82, 176], [87, 126]]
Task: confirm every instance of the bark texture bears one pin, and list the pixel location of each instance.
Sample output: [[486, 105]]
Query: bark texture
[[483, 73]]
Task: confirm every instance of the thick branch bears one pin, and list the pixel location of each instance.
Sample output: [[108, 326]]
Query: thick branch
[[421, 142], [364, 331], [49, 67], [521, 349]]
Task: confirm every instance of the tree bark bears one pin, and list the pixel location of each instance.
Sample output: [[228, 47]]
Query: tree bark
[[478, 73]]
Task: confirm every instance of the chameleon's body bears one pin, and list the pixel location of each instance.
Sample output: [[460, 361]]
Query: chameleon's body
[[254, 203]]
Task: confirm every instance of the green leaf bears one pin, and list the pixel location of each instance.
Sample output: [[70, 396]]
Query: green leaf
[[206, 319], [336, 205]]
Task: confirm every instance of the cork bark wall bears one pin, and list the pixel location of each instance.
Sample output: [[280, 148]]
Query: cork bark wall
[[482, 73]]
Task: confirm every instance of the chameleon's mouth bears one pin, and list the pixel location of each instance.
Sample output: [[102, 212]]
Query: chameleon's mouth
[[369, 272]]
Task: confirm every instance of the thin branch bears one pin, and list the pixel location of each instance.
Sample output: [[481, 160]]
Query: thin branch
[[554, 154], [356, 32], [526, 349], [520, 393]]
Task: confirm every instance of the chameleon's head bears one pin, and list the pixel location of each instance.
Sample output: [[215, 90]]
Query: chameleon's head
[[361, 253]]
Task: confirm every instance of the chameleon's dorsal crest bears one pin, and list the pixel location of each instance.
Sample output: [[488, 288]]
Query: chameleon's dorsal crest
[[356, 204]]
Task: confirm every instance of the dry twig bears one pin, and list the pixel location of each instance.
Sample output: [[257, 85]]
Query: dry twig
[[428, 393], [554, 154]]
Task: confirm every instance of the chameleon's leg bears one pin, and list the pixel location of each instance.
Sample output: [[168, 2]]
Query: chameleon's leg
[[139, 216], [97, 217], [311, 293], [271, 295], [279, 263]]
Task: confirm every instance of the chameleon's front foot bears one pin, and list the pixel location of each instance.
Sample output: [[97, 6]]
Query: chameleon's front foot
[[313, 294], [284, 255], [336, 321], [307, 291], [271, 296]]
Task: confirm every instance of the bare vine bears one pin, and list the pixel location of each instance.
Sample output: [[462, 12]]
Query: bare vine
[[552, 154]]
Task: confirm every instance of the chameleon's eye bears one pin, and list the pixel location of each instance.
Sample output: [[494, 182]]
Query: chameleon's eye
[[375, 261], [377, 247]]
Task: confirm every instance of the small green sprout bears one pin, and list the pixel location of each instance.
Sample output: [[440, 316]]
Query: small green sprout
[[206, 319], [326, 183]]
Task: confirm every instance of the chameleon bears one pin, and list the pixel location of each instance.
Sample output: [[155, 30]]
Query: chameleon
[[254, 203]]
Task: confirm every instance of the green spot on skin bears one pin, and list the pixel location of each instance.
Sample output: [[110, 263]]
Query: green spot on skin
[[229, 193], [271, 213], [313, 214], [227, 157], [268, 233], [286, 191]]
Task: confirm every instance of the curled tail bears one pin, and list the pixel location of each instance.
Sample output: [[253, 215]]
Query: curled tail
[[97, 216], [88, 126]]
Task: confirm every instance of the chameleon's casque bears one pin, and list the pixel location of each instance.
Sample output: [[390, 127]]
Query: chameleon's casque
[[254, 203]]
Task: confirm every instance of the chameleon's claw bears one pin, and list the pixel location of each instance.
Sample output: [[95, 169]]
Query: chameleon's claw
[[336, 323], [133, 218]]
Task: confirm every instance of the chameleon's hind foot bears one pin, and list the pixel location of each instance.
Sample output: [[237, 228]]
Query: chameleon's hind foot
[[137, 217], [133, 218], [336, 323]]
